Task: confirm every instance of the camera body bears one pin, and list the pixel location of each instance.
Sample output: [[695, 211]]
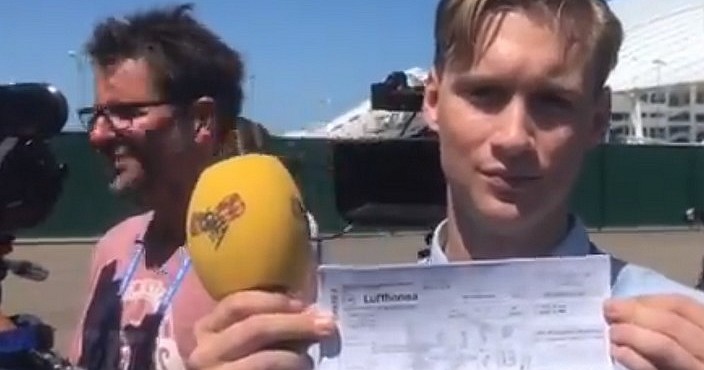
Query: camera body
[[396, 94], [31, 179]]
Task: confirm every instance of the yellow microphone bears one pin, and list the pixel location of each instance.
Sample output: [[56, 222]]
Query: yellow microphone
[[246, 227]]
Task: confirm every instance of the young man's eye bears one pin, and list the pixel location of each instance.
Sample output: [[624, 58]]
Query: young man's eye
[[556, 101], [486, 95]]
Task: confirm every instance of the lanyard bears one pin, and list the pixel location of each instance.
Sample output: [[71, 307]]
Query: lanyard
[[166, 299]]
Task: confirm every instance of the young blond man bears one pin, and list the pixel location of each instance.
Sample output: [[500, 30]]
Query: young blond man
[[517, 97]]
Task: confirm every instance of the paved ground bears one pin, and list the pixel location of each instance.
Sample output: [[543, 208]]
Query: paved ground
[[677, 254]]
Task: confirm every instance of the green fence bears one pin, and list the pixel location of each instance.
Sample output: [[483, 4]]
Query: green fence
[[627, 186], [621, 186]]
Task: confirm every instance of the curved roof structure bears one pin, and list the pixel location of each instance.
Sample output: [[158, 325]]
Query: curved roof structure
[[663, 44]]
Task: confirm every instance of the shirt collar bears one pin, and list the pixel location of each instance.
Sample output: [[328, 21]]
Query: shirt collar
[[575, 243]]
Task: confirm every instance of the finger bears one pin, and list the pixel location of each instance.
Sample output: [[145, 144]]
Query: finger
[[271, 360], [240, 305], [262, 331], [656, 348], [630, 359], [654, 318], [302, 345], [684, 306], [274, 330], [292, 345]]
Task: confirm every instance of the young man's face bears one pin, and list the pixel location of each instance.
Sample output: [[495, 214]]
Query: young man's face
[[513, 128]]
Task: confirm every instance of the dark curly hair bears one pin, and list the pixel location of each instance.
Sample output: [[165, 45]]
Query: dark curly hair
[[187, 60]]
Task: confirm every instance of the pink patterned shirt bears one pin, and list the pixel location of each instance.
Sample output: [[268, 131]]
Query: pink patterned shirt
[[111, 258]]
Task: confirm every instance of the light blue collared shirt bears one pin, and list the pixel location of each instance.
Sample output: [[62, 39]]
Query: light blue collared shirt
[[627, 279]]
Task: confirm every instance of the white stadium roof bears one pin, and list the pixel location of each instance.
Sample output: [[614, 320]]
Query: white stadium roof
[[663, 45]]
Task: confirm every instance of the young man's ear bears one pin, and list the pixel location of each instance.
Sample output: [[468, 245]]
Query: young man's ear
[[204, 119], [602, 117], [430, 99]]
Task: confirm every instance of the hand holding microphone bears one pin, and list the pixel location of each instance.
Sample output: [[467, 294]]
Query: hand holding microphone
[[248, 237]]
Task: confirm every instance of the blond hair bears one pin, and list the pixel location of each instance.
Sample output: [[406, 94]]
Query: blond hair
[[462, 25]]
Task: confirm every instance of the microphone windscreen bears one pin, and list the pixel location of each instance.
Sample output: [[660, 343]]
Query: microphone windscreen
[[247, 228]]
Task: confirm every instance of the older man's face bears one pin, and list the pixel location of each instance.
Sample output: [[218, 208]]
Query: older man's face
[[137, 134]]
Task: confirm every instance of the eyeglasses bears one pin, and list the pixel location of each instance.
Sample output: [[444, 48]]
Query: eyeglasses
[[119, 116]]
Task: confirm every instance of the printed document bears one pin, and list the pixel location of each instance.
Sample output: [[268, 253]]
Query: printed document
[[522, 314]]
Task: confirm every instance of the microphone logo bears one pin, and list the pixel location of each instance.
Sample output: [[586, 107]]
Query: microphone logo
[[215, 222]]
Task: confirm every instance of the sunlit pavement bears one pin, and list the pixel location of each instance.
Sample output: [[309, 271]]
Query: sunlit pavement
[[677, 254]]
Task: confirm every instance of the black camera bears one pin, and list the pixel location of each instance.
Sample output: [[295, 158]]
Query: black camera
[[395, 94], [31, 179]]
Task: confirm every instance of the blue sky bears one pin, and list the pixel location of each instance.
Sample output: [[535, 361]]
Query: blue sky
[[311, 59]]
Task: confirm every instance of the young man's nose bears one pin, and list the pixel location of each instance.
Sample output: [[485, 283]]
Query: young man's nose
[[514, 131]]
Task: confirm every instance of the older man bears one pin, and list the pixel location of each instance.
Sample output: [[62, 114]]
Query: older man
[[168, 92]]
